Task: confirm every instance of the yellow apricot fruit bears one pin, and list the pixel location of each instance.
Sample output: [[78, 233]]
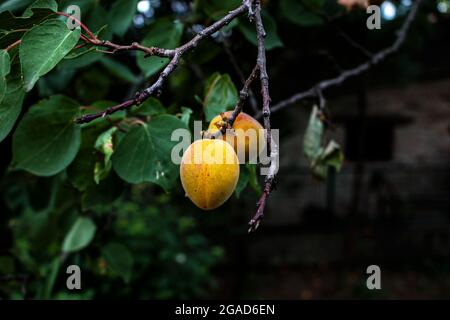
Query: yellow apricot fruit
[[247, 134], [209, 172]]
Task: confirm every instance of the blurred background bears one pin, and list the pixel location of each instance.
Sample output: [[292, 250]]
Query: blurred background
[[388, 206]]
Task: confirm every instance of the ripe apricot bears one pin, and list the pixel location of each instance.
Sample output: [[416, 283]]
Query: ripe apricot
[[209, 172], [247, 136]]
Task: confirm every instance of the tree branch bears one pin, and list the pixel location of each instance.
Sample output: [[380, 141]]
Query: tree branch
[[264, 79], [343, 76], [174, 54]]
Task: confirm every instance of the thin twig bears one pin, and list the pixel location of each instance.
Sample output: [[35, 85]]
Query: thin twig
[[343, 76], [13, 45], [149, 51], [243, 95], [175, 55], [232, 58], [78, 22]]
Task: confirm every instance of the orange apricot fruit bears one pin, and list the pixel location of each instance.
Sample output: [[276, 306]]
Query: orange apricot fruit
[[246, 137], [209, 172]]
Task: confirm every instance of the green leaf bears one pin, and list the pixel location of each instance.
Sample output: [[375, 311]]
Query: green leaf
[[13, 5], [10, 105], [43, 47], [104, 144], [82, 57], [119, 259], [332, 156], [2, 88], [47, 139], [119, 70], [218, 8], [81, 170], [150, 107], [98, 20], [247, 177], [91, 85], [99, 195], [272, 39], [165, 34], [41, 4], [56, 81], [313, 135], [253, 178], [10, 22], [5, 68], [5, 64], [186, 115], [220, 95], [121, 15], [297, 12], [243, 180], [51, 272], [144, 153], [80, 235]]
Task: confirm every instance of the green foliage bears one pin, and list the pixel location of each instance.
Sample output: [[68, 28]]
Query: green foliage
[[170, 257], [105, 195], [80, 235], [47, 140], [119, 70], [104, 144], [41, 4], [220, 95], [302, 13], [217, 8], [10, 5], [5, 67], [119, 259], [121, 16], [11, 105], [150, 107], [152, 246], [43, 47], [144, 153], [163, 33], [65, 180], [10, 22], [272, 39], [185, 115], [247, 177]]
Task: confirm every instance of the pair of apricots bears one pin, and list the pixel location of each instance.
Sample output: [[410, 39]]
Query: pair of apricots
[[209, 168]]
